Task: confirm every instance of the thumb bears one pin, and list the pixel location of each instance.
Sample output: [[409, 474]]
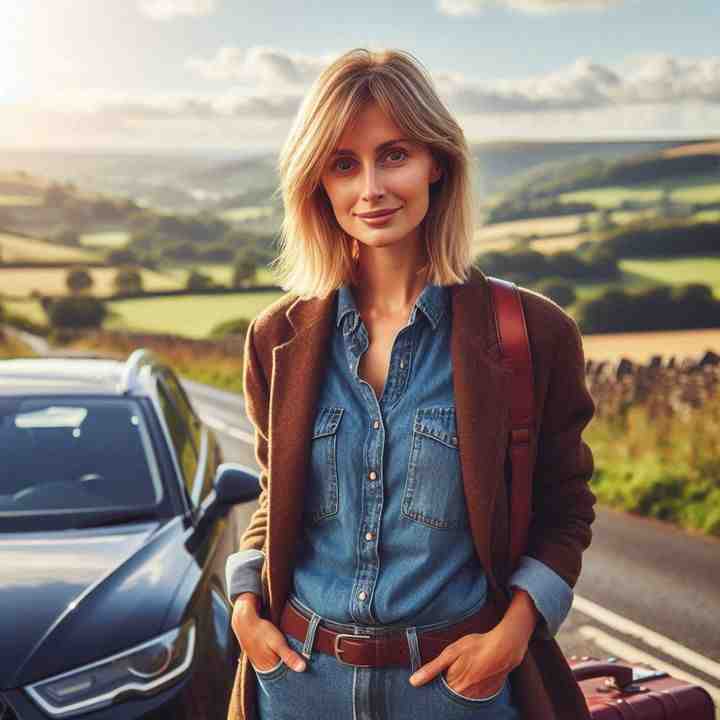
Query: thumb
[[289, 656]]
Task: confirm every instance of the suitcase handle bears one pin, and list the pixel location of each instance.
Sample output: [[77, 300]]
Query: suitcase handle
[[622, 674]]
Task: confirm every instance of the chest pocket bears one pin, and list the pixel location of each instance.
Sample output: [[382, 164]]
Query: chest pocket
[[434, 494], [323, 498]]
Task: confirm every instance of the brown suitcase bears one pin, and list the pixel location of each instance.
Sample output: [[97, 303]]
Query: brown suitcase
[[615, 689]]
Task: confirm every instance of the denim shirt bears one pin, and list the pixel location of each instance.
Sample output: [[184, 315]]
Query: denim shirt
[[386, 536]]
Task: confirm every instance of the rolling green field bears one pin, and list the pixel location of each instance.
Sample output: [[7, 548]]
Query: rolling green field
[[221, 273], [108, 240], [639, 274], [22, 281], [699, 189], [16, 200], [242, 214], [191, 316], [14, 248]]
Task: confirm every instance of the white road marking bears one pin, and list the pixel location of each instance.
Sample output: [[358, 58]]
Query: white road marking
[[223, 427], [631, 654], [647, 636]]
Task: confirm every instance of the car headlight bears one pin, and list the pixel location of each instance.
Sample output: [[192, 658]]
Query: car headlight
[[142, 670]]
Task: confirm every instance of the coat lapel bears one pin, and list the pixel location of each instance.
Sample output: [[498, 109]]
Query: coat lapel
[[481, 386]]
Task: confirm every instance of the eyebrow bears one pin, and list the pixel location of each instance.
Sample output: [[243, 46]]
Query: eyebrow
[[379, 148]]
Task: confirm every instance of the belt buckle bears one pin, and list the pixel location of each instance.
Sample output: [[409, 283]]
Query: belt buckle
[[338, 649]]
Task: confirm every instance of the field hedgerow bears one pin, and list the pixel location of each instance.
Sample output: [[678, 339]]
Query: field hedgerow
[[656, 441]]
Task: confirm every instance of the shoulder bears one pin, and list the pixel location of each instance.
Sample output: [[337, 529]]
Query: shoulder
[[270, 326], [551, 329]]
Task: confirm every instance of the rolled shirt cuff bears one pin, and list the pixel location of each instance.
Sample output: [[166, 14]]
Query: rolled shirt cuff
[[243, 571], [552, 596]]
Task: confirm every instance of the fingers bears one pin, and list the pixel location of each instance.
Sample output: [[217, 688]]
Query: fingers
[[428, 671], [276, 642]]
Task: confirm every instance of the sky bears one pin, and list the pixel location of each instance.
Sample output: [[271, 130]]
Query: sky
[[183, 75]]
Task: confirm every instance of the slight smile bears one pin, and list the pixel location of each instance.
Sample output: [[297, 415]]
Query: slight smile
[[378, 217]]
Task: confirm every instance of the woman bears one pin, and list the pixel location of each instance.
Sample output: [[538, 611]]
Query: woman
[[373, 578]]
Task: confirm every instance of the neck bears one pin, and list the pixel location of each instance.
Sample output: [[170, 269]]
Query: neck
[[388, 280]]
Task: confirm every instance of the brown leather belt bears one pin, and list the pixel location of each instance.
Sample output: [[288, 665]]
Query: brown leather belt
[[390, 648]]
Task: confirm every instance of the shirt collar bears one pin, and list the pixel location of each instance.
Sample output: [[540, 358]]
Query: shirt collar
[[433, 301]]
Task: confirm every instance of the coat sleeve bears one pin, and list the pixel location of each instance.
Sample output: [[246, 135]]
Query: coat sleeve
[[257, 407], [562, 502]]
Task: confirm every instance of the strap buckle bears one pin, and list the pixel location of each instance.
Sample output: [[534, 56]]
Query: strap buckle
[[339, 650]]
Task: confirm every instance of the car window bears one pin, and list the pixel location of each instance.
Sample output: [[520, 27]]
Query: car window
[[182, 402], [181, 436], [63, 454]]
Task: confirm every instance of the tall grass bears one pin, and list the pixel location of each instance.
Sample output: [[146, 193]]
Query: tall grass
[[656, 442]]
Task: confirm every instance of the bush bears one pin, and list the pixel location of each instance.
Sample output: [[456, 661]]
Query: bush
[[121, 256], [76, 312], [236, 326], [78, 279], [557, 289], [198, 281], [128, 281]]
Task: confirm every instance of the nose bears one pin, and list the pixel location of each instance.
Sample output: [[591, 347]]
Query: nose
[[372, 188]]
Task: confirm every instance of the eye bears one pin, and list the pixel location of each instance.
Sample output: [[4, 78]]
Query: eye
[[395, 151], [336, 164]]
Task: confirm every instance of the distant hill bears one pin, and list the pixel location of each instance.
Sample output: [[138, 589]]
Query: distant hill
[[193, 181], [499, 162]]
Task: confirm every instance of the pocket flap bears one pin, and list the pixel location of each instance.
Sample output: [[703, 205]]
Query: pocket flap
[[327, 421], [439, 423]]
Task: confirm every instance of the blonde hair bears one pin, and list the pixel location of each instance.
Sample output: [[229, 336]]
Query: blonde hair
[[316, 255]]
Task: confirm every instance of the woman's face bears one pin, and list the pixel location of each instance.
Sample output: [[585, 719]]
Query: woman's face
[[373, 169]]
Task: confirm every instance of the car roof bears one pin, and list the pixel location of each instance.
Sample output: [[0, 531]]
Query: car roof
[[77, 375]]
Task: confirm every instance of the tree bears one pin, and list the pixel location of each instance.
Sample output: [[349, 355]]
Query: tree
[[78, 279], [198, 281], [557, 289], [128, 281], [76, 312], [244, 270], [121, 256]]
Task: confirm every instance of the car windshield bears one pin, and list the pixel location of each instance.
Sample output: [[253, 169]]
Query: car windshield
[[87, 456]]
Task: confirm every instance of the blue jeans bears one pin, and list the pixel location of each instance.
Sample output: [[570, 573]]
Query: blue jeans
[[329, 689]]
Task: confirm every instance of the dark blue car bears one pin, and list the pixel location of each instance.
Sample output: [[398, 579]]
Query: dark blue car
[[114, 533]]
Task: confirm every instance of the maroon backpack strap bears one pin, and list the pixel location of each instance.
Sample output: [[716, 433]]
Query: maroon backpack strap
[[515, 348]]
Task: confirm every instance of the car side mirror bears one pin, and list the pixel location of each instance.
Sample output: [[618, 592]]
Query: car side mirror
[[235, 483]]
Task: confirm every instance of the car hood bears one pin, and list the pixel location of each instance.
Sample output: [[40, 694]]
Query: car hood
[[61, 591]]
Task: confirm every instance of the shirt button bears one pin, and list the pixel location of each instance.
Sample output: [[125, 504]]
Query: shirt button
[[373, 475], [402, 364], [362, 595], [369, 536], [376, 424], [454, 439]]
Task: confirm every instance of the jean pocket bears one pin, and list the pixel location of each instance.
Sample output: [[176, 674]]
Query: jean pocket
[[274, 673], [322, 500], [434, 494], [470, 701]]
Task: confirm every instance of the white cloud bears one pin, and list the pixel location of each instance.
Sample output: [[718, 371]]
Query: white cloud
[[168, 9], [259, 64], [654, 94], [585, 85], [475, 7]]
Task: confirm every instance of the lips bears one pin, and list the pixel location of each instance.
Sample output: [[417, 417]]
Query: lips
[[377, 213]]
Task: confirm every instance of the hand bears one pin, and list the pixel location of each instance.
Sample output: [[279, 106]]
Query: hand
[[262, 642], [477, 663]]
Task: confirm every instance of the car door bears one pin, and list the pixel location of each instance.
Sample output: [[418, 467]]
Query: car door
[[197, 445]]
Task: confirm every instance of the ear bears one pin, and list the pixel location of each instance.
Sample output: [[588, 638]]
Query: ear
[[436, 172]]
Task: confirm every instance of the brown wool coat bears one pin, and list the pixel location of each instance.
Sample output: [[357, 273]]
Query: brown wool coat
[[285, 352]]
